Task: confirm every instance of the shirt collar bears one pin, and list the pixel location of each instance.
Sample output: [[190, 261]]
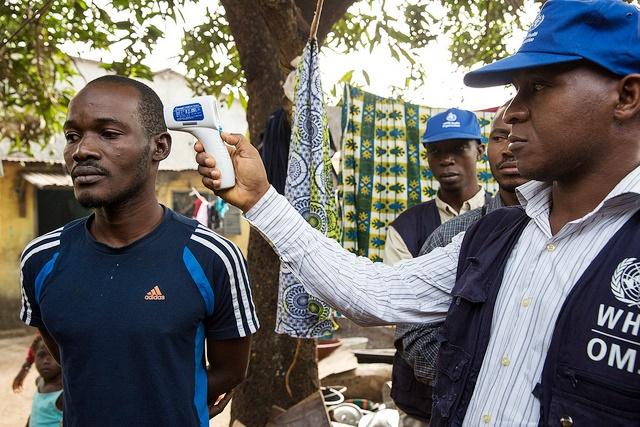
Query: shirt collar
[[495, 202], [535, 196], [477, 201]]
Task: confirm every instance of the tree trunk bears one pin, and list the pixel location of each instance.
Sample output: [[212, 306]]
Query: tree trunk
[[271, 354], [268, 35]]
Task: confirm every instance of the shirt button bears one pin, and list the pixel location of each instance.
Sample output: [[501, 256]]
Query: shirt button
[[486, 418], [551, 247], [566, 421], [505, 361], [526, 302]]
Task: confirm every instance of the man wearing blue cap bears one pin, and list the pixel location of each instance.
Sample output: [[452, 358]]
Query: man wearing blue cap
[[454, 145], [541, 303], [417, 343]]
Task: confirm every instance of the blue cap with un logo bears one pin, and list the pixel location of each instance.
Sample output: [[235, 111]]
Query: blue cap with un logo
[[604, 32], [452, 124]]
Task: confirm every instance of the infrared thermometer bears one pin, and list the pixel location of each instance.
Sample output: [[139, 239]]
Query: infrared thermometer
[[200, 116]]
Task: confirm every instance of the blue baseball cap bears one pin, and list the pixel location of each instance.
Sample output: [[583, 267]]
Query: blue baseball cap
[[604, 32], [452, 124]]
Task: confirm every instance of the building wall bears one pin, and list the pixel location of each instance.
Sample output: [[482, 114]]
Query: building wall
[[16, 230]]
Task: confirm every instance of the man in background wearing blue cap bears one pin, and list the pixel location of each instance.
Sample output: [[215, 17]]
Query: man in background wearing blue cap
[[454, 145], [417, 343], [541, 303]]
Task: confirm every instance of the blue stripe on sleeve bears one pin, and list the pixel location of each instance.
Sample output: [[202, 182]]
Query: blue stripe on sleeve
[[42, 275], [200, 395], [198, 276]]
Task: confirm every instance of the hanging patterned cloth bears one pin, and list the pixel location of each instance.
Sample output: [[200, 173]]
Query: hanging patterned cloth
[[309, 188]]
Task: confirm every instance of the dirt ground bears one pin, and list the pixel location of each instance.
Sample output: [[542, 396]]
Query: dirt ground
[[15, 408]]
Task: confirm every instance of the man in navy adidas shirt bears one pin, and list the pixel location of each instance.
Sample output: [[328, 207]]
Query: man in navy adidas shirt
[[127, 298]]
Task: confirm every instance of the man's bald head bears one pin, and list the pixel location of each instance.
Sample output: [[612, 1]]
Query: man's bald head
[[150, 108]]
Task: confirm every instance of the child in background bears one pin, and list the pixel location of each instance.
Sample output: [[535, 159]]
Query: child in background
[[24, 369], [46, 408]]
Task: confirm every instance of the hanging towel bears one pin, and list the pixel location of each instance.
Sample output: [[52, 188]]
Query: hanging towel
[[309, 188]]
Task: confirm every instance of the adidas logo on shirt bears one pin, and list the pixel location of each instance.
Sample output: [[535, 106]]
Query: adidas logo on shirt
[[154, 294]]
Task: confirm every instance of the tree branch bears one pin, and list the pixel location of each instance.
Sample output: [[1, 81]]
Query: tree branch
[[286, 24], [332, 12], [256, 47], [35, 17]]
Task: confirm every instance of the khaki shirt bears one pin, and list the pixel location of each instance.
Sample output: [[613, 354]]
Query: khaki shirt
[[396, 250]]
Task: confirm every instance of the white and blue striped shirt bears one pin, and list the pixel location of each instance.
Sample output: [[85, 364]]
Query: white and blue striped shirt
[[540, 272]]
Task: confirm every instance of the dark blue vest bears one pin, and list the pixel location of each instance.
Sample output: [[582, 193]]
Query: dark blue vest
[[416, 224], [591, 375], [410, 395]]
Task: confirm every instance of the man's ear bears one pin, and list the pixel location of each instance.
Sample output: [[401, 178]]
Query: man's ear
[[629, 98], [161, 146], [481, 149]]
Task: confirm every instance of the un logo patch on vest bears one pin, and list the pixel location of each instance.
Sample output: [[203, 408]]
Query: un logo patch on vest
[[617, 326], [625, 282]]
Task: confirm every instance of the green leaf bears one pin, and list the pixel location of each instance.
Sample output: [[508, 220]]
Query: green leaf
[[243, 100], [230, 99], [394, 53], [346, 77], [123, 25], [366, 77], [406, 55]]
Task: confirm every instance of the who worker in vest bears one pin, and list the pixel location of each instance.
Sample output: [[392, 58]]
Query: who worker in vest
[[541, 302]]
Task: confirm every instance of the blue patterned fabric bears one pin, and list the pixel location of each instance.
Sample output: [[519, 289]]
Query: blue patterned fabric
[[309, 188]]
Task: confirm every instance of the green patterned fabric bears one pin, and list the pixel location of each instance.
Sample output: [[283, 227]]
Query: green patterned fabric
[[309, 188], [384, 167]]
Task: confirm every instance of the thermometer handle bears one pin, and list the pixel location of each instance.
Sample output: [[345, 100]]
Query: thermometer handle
[[214, 145]]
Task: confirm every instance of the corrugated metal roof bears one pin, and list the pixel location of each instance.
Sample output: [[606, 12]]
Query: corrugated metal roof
[[45, 180]]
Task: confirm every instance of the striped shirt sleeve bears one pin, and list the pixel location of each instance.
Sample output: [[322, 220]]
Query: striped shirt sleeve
[[233, 313], [36, 263], [412, 291]]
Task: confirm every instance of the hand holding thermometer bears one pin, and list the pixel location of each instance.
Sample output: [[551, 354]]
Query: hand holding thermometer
[[200, 117]]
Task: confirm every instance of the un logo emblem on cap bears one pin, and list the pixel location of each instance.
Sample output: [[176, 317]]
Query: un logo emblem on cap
[[625, 282], [537, 22], [451, 117]]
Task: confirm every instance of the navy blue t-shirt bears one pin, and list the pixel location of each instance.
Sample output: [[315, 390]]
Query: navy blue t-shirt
[[131, 322]]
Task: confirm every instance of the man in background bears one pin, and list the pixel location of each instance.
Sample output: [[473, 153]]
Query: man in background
[[453, 141], [417, 344], [454, 145]]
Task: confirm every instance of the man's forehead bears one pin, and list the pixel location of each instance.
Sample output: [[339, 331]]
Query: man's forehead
[[107, 93], [548, 71], [452, 142], [500, 125], [98, 99]]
